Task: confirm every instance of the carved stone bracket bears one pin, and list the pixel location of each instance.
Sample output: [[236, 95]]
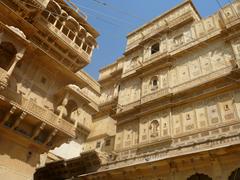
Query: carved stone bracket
[[4, 77]]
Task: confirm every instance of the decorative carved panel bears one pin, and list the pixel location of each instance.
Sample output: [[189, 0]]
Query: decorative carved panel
[[201, 115], [194, 68], [213, 113], [177, 129]]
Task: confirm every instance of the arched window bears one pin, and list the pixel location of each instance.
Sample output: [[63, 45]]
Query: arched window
[[71, 27], [154, 128], [198, 176], [235, 175], [155, 48], [154, 83], [52, 11], [7, 53]]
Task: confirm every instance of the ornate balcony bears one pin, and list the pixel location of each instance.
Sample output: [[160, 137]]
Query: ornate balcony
[[71, 50], [166, 26], [127, 107], [203, 79], [36, 124], [156, 95]]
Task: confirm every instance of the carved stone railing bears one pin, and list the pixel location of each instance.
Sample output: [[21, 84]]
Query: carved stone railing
[[188, 16], [110, 71], [155, 95], [129, 106], [43, 22], [200, 144], [39, 112], [182, 18], [231, 14], [109, 100], [90, 95], [202, 79], [48, 116], [89, 100], [3, 79], [65, 38]]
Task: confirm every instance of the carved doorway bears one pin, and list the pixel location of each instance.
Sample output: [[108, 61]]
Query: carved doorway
[[235, 175], [198, 176]]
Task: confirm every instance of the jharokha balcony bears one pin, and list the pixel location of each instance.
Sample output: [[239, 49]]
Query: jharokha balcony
[[36, 125], [60, 32], [69, 41]]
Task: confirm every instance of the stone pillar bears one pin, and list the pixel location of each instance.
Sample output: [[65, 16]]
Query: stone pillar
[[92, 48], [17, 58], [7, 116], [77, 119], [83, 41], [63, 24], [4, 76], [38, 130], [50, 137], [62, 108], [18, 121]]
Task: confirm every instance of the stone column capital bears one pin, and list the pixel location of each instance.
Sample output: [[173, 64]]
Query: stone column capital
[[19, 56]]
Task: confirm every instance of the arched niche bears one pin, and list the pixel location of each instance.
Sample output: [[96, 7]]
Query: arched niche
[[80, 36], [235, 175], [71, 27], [82, 32], [199, 176], [154, 83], [52, 12], [64, 14], [91, 40], [154, 128], [54, 8], [7, 52], [72, 24]]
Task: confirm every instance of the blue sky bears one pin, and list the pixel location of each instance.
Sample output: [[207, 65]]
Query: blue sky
[[114, 19]]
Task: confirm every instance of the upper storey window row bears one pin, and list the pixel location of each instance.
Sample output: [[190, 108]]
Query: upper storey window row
[[183, 13], [69, 27], [199, 28]]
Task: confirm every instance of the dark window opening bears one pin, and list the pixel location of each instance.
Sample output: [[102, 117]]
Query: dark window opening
[[98, 145], [119, 88], [155, 82], [235, 175], [155, 48], [108, 142], [43, 80], [198, 176]]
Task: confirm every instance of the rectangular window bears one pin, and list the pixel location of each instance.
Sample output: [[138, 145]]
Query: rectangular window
[[98, 145], [155, 48]]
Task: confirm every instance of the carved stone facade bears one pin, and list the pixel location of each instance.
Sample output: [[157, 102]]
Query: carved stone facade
[[175, 98], [45, 97]]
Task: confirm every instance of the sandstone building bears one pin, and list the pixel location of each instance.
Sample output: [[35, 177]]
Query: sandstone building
[[168, 109], [171, 103], [44, 44]]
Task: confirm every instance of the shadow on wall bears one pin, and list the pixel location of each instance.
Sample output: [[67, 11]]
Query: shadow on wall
[[10, 151]]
